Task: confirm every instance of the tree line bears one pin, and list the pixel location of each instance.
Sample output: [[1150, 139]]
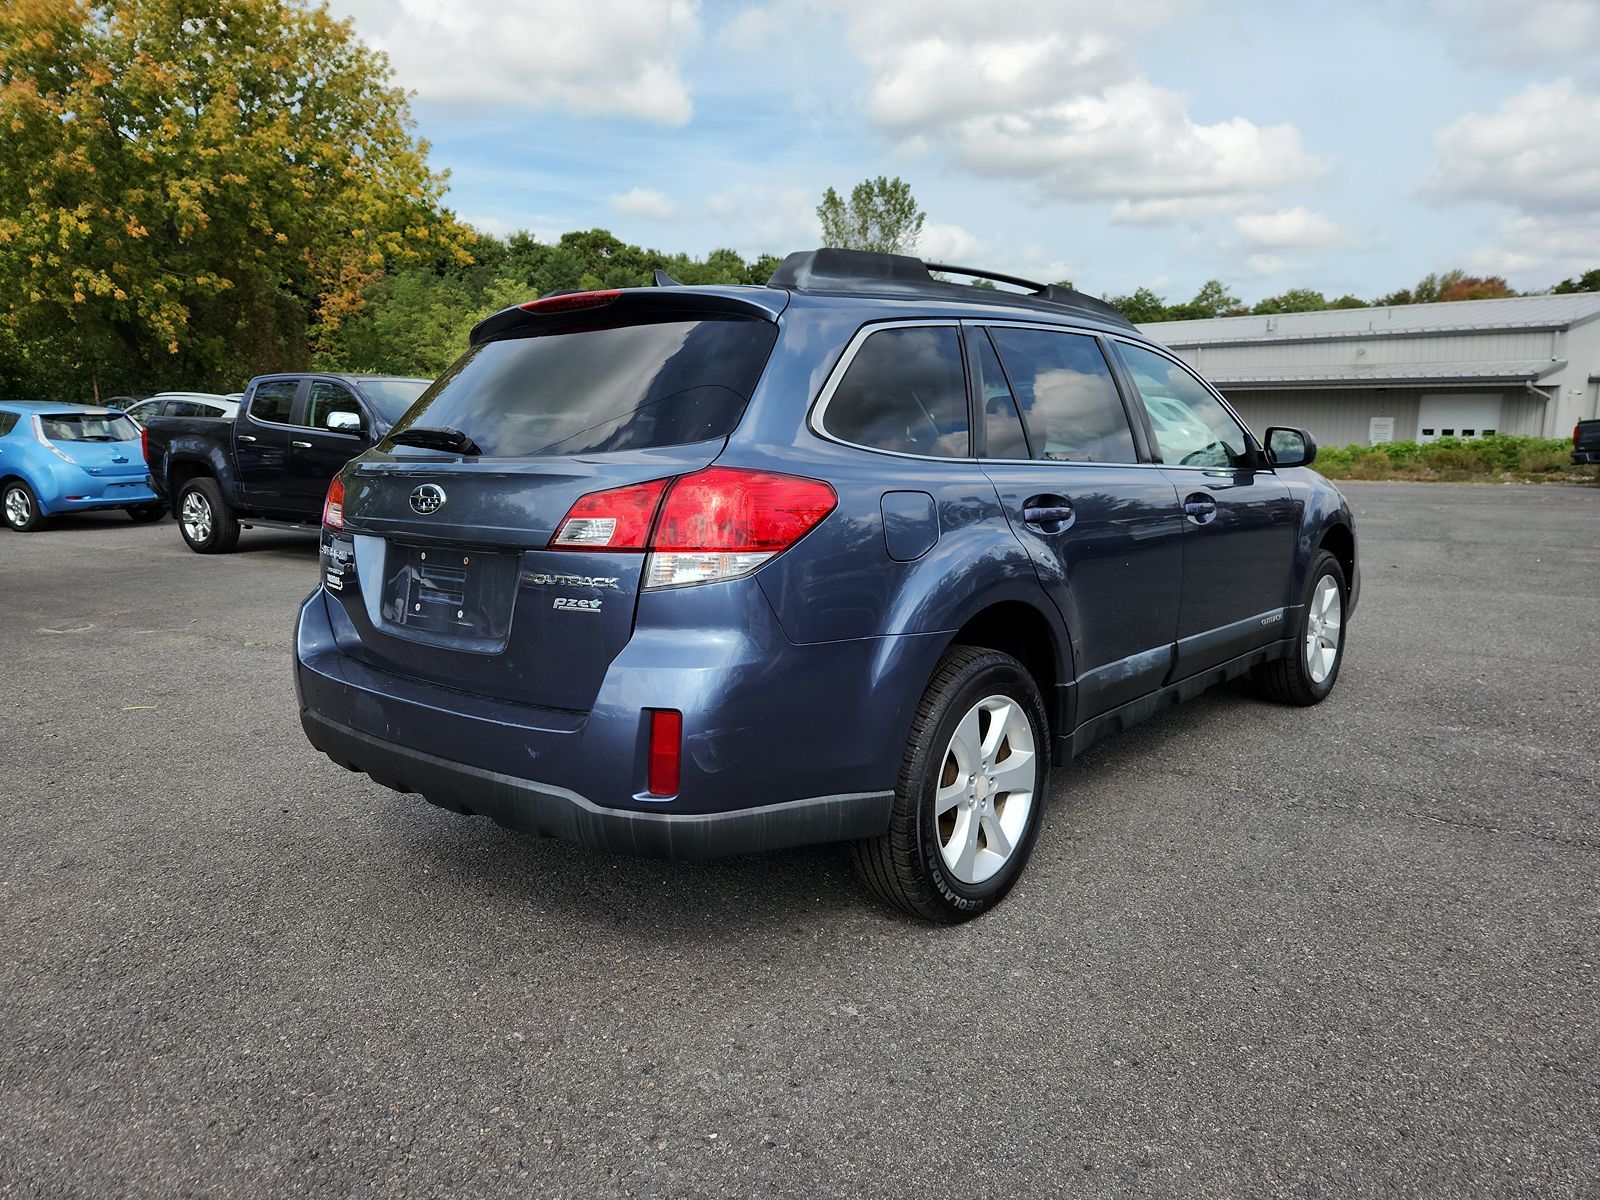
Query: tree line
[[194, 194]]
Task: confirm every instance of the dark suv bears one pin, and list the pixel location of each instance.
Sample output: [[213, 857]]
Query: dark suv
[[855, 556]]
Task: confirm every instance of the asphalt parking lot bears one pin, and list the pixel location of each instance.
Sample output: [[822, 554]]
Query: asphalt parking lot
[[1353, 949]]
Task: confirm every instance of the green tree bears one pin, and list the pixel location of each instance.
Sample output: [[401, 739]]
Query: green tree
[[1589, 281], [1142, 307], [1212, 300], [1347, 301], [881, 215], [193, 193], [1293, 300]]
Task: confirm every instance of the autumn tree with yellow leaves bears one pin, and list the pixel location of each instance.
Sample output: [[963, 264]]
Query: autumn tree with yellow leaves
[[193, 192]]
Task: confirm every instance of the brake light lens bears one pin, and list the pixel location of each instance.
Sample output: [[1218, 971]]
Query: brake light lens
[[665, 768], [722, 522], [616, 519], [719, 523], [333, 506], [144, 443], [1574, 437], [571, 301]]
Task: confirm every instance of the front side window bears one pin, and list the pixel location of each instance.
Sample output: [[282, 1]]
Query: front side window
[[328, 397], [274, 400], [906, 391], [1192, 429], [1067, 395]]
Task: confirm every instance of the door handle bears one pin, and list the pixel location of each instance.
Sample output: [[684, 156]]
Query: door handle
[[301, 445], [1041, 511], [247, 437], [1200, 509]]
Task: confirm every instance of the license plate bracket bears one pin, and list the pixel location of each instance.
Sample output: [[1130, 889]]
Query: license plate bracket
[[454, 593]]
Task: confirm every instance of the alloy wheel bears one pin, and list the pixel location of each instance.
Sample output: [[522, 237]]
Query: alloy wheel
[[984, 795], [195, 517], [19, 509], [1322, 628]]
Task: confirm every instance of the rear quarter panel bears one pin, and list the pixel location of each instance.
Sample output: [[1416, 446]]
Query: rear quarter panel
[[205, 442]]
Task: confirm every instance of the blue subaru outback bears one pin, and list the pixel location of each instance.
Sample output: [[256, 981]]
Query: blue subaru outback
[[856, 556]]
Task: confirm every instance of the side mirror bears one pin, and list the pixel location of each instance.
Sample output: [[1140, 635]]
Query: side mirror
[[344, 422], [1290, 447]]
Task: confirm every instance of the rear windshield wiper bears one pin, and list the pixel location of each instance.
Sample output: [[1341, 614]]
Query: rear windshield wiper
[[436, 438]]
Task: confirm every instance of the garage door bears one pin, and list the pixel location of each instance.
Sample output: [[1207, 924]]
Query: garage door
[[1457, 416]]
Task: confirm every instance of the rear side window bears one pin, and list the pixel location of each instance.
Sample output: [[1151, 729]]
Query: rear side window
[[1068, 398], [905, 391], [1002, 426], [8, 422], [621, 387], [274, 400]]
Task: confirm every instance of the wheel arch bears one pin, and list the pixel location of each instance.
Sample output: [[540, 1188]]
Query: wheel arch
[[1035, 638]]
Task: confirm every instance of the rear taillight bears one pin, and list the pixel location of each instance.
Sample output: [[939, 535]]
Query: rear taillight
[[144, 443], [333, 506], [571, 301], [719, 523], [665, 767], [1574, 437], [618, 519], [722, 522]]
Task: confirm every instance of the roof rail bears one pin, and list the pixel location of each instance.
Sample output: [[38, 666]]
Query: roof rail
[[865, 273]]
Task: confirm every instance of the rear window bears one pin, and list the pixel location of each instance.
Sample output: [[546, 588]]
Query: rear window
[[89, 427], [621, 387]]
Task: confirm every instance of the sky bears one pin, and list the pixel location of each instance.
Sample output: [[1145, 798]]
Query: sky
[[1348, 147]]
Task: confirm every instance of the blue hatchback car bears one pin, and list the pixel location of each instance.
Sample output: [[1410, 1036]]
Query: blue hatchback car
[[60, 458], [856, 556]]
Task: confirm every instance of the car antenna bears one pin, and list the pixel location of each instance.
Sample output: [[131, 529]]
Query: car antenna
[[665, 280]]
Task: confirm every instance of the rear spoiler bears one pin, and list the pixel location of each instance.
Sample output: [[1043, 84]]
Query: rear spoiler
[[560, 310]]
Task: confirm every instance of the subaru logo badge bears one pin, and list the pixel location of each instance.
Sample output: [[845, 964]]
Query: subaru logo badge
[[427, 499]]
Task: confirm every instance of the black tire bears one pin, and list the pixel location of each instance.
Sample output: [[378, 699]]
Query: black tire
[[146, 513], [905, 867], [223, 534], [1290, 680], [19, 507]]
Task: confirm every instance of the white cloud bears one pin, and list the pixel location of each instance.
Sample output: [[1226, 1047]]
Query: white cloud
[[599, 58], [1530, 33], [644, 202], [949, 243], [1539, 156], [1540, 151], [766, 217], [1289, 229], [1046, 91], [1265, 264], [1169, 212]]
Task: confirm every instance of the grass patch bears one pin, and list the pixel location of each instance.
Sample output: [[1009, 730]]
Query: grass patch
[[1498, 458]]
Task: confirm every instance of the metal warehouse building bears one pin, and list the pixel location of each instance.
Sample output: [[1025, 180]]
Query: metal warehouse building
[[1528, 365]]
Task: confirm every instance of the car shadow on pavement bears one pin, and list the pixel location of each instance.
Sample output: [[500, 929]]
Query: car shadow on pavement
[[720, 900]]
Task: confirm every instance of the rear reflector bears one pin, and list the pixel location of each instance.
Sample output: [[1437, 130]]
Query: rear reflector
[[571, 301], [333, 506], [618, 519], [666, 751]]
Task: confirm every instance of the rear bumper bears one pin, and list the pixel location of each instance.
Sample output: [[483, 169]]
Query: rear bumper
[[82, 492], [550, 811], [754, 716], [1586, 456]]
